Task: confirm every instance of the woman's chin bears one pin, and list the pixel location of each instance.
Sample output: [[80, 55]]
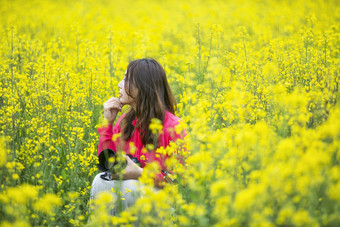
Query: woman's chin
[[122, 101]]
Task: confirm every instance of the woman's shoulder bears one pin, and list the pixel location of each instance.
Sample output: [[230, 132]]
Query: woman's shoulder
[[120, 119], [169, 125], [170, 120]]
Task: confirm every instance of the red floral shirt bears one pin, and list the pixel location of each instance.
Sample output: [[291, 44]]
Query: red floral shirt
[[107, 133]]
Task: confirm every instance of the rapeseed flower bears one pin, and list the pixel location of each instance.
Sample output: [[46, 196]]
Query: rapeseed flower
[[257, 91], [46, 203]]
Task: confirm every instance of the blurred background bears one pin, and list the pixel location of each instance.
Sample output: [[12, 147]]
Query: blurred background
[[257, 88]]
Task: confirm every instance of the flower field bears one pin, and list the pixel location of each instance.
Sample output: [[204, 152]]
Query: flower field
[[257, 89]]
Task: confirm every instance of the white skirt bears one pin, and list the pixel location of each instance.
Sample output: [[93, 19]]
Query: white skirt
[[126, 192]]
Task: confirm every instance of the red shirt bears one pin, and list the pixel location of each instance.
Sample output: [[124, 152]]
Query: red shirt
[[144, 156]]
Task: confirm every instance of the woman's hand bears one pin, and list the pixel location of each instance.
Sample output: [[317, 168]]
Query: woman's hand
[[111, 109], [131, 171]]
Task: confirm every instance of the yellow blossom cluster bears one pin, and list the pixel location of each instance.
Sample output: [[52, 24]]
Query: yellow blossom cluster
[[257, 90]]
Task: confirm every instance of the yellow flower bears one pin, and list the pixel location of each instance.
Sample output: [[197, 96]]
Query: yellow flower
[[105, 198], [302, 218], [15, 176], [156, 126], [20, 194], [3, 152], [247, 197], [334, 191], [73, 195], [46, 203], [116, 136]]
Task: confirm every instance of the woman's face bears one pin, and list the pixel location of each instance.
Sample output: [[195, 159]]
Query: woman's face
[[124, 98]]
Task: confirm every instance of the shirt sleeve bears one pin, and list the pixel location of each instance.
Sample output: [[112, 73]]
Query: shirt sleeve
[[172, 136], [105, 136], [168, 135]]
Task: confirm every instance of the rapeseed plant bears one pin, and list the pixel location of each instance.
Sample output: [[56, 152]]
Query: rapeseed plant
[[257, 85]]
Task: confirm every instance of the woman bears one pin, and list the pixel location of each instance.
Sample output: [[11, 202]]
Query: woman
[[146, 90]]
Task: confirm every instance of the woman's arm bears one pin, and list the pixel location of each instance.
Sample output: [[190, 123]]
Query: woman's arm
[[111, 109], [169, 135], [105, 139], [131, 172]]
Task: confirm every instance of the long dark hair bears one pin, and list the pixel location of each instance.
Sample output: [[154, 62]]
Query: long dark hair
[[153, 98]]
